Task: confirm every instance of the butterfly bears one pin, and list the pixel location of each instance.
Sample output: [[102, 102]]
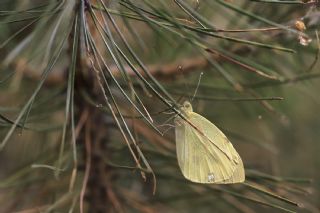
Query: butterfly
[[205, 155]]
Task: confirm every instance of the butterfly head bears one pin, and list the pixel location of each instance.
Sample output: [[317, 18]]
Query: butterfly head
[[186, 107]]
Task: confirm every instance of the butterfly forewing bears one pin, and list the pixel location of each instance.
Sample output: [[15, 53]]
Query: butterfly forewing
[[205, 155]]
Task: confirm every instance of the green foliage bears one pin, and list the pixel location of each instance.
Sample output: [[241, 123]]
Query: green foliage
[[88, 90]]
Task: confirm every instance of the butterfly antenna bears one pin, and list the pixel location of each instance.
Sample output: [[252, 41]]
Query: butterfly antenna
[[185, 82], [195, 92]]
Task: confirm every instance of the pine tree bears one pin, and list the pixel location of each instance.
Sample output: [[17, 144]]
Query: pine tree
[[90, 88]]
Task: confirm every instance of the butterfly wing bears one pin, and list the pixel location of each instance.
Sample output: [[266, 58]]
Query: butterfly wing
[[205, 155], [238, 175], [217, 137]]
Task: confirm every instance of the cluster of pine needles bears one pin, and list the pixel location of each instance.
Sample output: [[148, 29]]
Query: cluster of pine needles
[[88, 90]]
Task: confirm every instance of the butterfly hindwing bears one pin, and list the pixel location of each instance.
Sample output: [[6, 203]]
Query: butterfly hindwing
[[205, 155]]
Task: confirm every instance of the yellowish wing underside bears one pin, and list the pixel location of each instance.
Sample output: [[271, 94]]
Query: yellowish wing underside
[[199, 157]]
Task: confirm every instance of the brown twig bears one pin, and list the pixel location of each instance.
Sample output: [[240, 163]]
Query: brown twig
[[88, 157], [160, 71]]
